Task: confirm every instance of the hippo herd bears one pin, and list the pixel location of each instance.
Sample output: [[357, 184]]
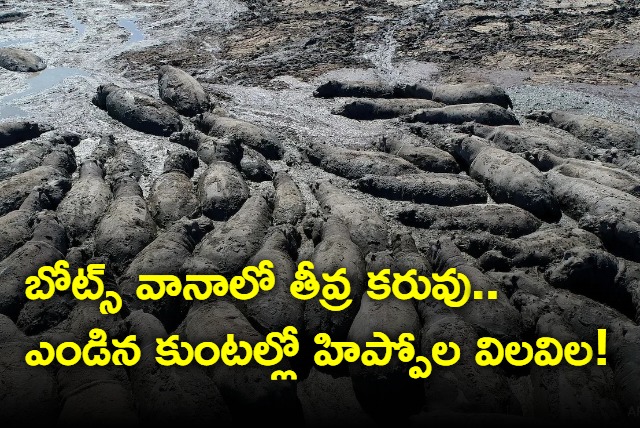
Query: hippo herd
[[546, 211]]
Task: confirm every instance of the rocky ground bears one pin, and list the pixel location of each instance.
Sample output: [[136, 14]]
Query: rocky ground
[[261, 62]]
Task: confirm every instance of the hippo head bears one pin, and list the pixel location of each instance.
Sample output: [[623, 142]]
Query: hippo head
[[164, 68], [53, 192], [467, 148], [364, 182], [62, 157], [285, 235], [541, 159], [407, 216], [47, 196], [417, 90], [126, 186], [187, 138], [200, 122], [403, 242], [65, 137], [328, 89], [100, 98], [47, 228], [312, 224], [35, 128], [539, 116], [185, 161], [193, 228], [90, 168]]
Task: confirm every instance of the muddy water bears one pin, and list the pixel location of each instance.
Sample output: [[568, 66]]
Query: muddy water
[[7, 111], [38, 83], [131, 26], [51, 78], [15, 42], [78, 25]]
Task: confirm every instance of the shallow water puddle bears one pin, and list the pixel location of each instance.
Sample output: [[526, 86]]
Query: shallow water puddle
[[40, 82], [12, 111], [131, 26], [75, 23], [15, 42]]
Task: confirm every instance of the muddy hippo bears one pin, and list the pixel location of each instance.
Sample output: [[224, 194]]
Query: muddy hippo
[[56, 167], [165, 256], [289, 205], [221, 191], [593, 130], [86, 202], [243, 132], [251, 395], [606, 174], [182, 91], [15, 132], [47, 245], [509, 178], [28, 155], [460, 93], [226, 249], [12, 16], [484, 113], [171, 395], [126, 227], [17, 226], [418, 151], [137, 110], [277, 309], [254, 166], [14, 59], [172, 195], [497, 219], [518, 139], [366, 227], [354, 164], [333, 88], [372, 109], [210, 149], [425, 187], [336, 250]]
